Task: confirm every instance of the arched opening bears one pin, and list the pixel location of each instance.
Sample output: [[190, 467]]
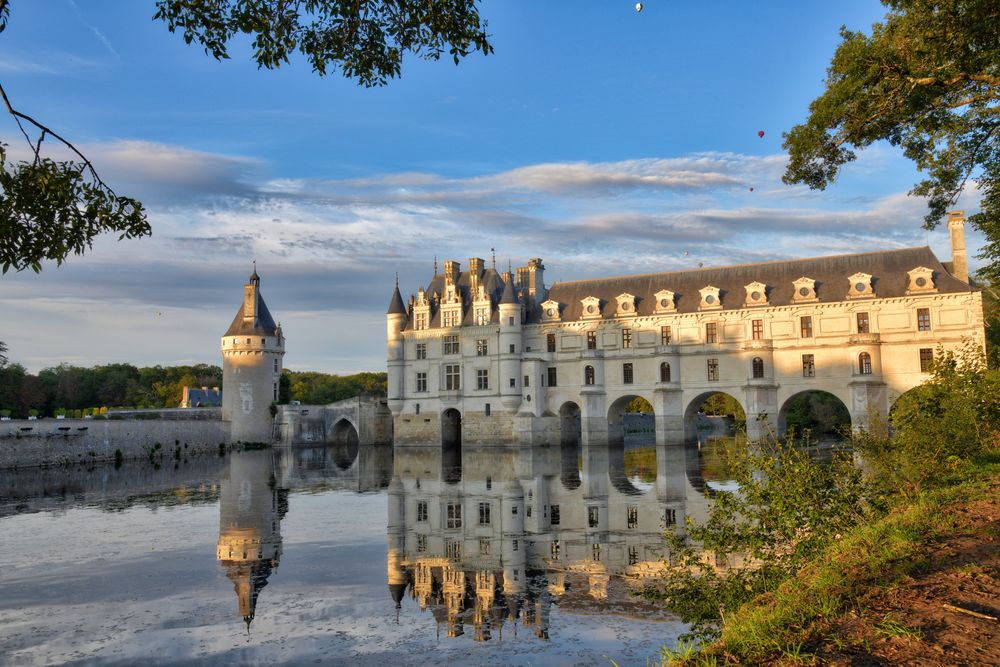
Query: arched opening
[[569, 466], [757, 368], [569, 423], [865, 363], [588, 375], [344, 433], [664, 372], [344, 455], [451, 427], [631, 421], [713, 414], [820, 412]]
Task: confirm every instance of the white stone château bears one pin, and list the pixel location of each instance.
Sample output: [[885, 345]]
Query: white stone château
[[484, 357], [252, 352]]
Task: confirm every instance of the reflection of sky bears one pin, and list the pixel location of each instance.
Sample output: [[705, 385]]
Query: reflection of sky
[[143, 585]]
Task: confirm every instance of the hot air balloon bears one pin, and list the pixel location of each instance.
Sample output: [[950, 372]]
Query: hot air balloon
[[638, 6], [751, 189], [760, 133]]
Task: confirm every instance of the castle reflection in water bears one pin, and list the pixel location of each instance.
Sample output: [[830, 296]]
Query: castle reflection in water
[[481, 538]]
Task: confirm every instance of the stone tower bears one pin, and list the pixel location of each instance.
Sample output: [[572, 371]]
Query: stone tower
[[252, 351], [395, 323]]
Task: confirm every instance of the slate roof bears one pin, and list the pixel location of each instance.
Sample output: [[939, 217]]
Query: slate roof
[[396, 306], [888, 269], [263, 324]]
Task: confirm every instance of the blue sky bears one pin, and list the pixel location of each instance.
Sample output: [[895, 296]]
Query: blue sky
[[603, 140]]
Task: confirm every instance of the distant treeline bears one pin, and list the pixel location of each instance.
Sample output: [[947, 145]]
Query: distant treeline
[[71, 388]]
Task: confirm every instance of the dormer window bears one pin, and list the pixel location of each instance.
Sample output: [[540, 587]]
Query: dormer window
[[710, 298], [756, 294], [861, 286], [804, 290], [591, 307], [665, 301], [550, 311], [451, 317], [626, 305], [921, 280]]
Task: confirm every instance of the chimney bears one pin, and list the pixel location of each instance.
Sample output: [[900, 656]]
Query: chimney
[[536, 283], [959, 258], [451, 271], [522, 278], [476, 266]]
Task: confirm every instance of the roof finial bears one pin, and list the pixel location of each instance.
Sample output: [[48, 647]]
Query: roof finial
[[397, 279], [435, 265], [494, 251]]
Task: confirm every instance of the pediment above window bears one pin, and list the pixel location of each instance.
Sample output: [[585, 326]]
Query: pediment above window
[[591, 308], [665, 301], [804, 290], [711, 298], [550, 311], [756, 294], [921, 280], [626, 305], [861, 286]]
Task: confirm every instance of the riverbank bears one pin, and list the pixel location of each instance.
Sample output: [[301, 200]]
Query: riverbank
[[898, 590]]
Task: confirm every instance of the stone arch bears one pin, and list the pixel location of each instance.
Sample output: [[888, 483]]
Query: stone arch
[[344, 432], [826, 420], [616, 419], [569, 423], [692, 412], [618, 470], [451, 428]]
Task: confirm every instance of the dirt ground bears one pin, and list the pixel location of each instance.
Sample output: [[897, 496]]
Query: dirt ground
[[910, 625]]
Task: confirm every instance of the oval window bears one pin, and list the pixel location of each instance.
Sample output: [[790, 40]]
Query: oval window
[[860, 287], [921, 281], [551, 312], [755, 296], [663, 303], [803, 291], [624, 305], [590, 308], [710, 298]]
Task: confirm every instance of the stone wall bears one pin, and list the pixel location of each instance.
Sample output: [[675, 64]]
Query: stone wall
[[26, 443], [481, 429], [417, 429]]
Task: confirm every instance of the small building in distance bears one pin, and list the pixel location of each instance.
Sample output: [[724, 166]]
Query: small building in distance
[[201, 397]]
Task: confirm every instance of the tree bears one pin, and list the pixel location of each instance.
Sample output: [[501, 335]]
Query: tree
[[3, 354], [50, 209], [927, 80]]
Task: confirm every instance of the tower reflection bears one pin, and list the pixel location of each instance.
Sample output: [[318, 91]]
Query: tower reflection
[[514, 531]]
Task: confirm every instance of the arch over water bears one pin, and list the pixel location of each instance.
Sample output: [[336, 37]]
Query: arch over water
[[451, 427], [819, 411], [344, 433], [693, 416], [619, 426], [569, 423]]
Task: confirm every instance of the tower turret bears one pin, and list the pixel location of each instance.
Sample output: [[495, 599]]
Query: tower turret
[[395, 319], [252, 351], [510, 346]]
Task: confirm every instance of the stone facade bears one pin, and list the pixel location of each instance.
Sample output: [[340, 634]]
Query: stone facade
[[497, 358]]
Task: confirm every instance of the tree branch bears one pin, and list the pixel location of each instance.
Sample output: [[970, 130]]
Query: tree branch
[[934, 81]]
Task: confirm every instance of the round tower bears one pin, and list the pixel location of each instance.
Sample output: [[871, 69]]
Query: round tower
[[395, 319], [510, 346], [252, 352]]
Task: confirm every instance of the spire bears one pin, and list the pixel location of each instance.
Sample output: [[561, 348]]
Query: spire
[[396, 305], [509, 296], [254, 278]]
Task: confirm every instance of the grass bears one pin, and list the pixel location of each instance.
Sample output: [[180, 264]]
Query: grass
[[805, 609]]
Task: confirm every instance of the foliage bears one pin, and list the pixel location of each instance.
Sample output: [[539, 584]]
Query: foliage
[[819, 412], [927, 80], [991, 319], [365, 39], [723, 405], [639, 404], [320, 388]]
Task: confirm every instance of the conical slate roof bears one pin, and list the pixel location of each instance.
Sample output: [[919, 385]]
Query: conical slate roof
[[509, 296], [262, 325], [396, 306]]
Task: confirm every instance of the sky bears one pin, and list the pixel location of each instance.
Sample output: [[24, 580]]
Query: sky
[[605, 141]]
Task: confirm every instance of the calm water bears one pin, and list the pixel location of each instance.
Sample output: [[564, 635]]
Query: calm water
[[332, 555]]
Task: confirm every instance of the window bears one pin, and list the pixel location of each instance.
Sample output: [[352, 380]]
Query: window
[[513, 547], [421, 350], [421, 381], [633, 555], [806, 327], [552, 376], [665, 335], [555, 548], [713, 369], [593, 514], [808, 366], [554, 518], [669, 517], [420, 321], [449, 318], [512, 348], [421, 511], [926, 359], [452, 377], [526, 384], [757, 367], [588, 375], [484, 547], [627, 374], [664, 372], [484, 514], [482, 315], [482, 378], [527, 511], [550, 342], [275, 391], [454, 515], [417, 410], [451, 344], [632, 516], [487, 410], [421, 544], [863, 325], [482, 347], [865, 363], [757, 329], [923, 319], [626, 338], [711, 332], [595, 552], [510, 321], [513, 383], [453, 549], [591, 340], [275, 365]]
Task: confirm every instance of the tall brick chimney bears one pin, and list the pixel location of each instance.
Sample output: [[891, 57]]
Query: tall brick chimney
[[959, 258]]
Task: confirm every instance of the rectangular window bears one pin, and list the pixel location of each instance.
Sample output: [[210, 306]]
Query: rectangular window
[[512, 348], [627, 374], [626, 338], [550, 342], [417, 410], [453, 549], [669, 517], [451, 344], [275, 391], [513, 383], [482, 378], [421, 381], [923, 319], [527, 510], [665, 335], [863, 326], [421, 544], [482, 316], [421, 511], [632, 516], [275, 365], [526, 383], [552, 376], [758, 329], [484, 514], [593, 516], [510, 321], [454, 515], [484, 547], [482, 347], [806, 327], [713, 369], [420, 321], [554, 549], [808, 366], [926, 359], [452, 377], [633, 555], [595, 552], [554, 519], [421, 350], [591, 340], [449, 318], [487, 410], [711, 332]]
